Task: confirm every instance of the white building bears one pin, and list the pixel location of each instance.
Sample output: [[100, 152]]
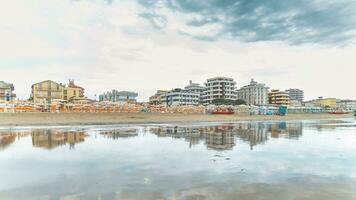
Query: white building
[[254, 93], [296, 94], [7, 92], [179, 96], [219, 88], [195, 88], [119, 96], [348, 105]]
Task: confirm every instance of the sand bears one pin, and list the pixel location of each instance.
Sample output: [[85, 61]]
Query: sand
[[19, 119]]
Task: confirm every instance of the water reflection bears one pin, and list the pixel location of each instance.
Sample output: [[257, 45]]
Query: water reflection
[[119, 133], [216, 137], [52, 138], [258, 160], [223, 137], [7, 137]]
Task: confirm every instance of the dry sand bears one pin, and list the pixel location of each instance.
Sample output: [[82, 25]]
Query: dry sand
[[18, 119]]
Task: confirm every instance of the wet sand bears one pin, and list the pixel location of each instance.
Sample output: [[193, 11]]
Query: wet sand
[[18, 119]]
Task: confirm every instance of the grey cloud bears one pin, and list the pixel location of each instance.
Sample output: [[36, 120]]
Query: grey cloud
[[293, 21], [157, 21]]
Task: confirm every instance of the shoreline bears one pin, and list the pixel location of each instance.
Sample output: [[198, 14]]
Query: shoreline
[[43, 119]]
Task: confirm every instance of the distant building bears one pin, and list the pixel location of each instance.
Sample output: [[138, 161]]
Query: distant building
[[180, 96], [326, 102], [277, 97], [46, 91], [7, 92], [254, 93], [219, 88], [346, 104], [119, 96], [296, 94], [195, 88], [156, 98], [72, 92]]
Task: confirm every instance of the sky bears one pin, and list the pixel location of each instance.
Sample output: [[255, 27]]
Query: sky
[[146, 45]]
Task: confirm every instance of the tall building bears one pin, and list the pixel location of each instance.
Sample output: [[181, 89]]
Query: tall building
[[219, 88], [277, 97], [46, 91], [72, 91], [195, 88], [180, 96], [156, 99], [296, 94], [7, 92], [254, 93], [119, 96]]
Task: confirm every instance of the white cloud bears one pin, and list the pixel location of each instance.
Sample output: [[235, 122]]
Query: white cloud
[[110, 46]]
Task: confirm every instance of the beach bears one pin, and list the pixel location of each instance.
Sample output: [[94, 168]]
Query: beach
[[20, 119]]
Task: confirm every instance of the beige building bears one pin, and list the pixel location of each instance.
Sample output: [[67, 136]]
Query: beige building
[[277, 97], [157, 98], [7, 92], [326, 102], [45, 91], [73, 92]]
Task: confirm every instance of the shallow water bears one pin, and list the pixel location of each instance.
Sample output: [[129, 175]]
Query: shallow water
[[259, 160]]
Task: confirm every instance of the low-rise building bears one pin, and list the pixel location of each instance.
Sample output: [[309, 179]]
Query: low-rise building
[[73, 92], [296, 94], [46, 91], [7, 92], [119, 96], [278, 97], [219, 88], [349, 105], [180, 96], [254, 93], [326, 102], [156, 99]]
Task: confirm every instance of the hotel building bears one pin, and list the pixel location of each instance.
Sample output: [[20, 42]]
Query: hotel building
[[254, 93], [296, 94], [180, 96], [277, 97], [219, 88], [119, 96]]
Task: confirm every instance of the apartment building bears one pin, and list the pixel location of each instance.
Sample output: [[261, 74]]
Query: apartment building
[[195, 88], [219, 88], [119, 96], [73, 92], [254, 93], [46, 91], [326, 102], [296, 94], [156, 98], [277, 97], [180, 96], [7, 92]]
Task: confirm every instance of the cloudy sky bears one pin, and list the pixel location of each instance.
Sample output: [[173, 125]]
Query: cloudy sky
[[145, 45]]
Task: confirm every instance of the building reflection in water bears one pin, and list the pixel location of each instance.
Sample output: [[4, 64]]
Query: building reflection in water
[[223, 137], [119, 133], [7, 137], [292, 130], [220, 138], [52, 138]]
